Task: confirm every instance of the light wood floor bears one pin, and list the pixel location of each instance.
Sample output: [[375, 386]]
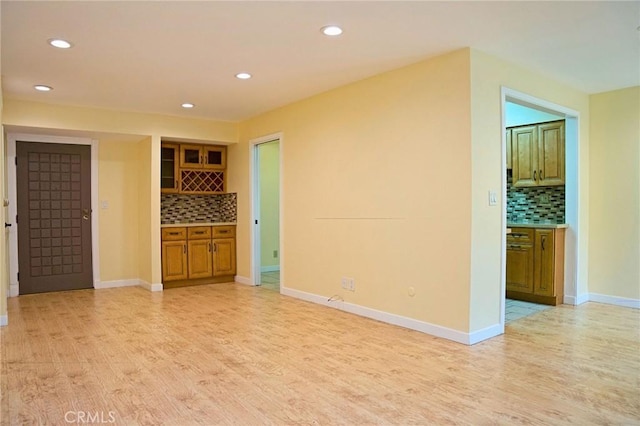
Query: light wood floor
[[234, 354]]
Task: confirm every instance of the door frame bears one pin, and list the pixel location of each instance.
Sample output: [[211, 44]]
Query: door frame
[[254, 177], [575, 256], [12, 138]]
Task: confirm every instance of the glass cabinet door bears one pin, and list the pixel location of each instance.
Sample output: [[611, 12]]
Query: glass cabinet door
[[215, 157], [169, 168], [191, 156]]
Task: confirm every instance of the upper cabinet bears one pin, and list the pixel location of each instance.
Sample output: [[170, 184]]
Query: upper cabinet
[[203, 157], [193, 169], [537, 154]]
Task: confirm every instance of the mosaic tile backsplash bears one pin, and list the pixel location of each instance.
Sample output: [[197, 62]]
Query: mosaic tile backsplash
[[535, 204], [185, 208]]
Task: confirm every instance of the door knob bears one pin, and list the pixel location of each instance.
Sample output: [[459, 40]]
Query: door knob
[[86, 213], [6, 225]]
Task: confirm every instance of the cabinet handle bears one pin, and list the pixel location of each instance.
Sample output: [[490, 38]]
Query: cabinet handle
[[184, 248], [540, 174], [542, 242], [176, 183], [209, 247], [214, 247], [198, 232], [534, 175], [201, 159], [223, 232], [174, 233]]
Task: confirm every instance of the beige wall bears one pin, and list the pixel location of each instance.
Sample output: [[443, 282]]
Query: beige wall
[[614, 267], [376, 180], [118, 178], [269, 203]]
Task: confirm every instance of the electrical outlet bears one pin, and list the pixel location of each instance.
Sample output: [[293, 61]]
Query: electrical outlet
[[352, 284], [344, 283], [544, 199], [275, 254]]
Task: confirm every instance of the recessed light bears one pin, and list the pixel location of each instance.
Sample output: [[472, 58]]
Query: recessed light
[[332, 30], [243, 75], [59, 43], [187, 105], [43, 88]]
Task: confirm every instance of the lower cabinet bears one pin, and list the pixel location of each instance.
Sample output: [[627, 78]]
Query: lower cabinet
[[535, 265], [198, 255]]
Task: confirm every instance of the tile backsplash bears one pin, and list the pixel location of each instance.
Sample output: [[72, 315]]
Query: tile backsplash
[[186, 208], [535, 204]]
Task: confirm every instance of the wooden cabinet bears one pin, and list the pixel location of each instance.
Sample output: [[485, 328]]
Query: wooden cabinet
[[198, 255], [193, 169], [174, 254], [537, 154], [169, 174], [224, 251], [199, 251], [535, 265], [203, 157]]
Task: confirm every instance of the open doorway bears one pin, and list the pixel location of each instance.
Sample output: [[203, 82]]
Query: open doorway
[[266, 212], [561, 202]]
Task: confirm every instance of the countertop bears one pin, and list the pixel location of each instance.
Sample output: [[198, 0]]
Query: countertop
[[186, 225], [544, 224]]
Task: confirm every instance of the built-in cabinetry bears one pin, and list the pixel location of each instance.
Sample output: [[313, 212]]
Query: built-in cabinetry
[[535, 153], [535, 265], [193, 169], [198, 255]]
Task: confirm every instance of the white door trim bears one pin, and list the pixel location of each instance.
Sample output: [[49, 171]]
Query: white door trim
[[255, 205], [574, 255], [12, 138]]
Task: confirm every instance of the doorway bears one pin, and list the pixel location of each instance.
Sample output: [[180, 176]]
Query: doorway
[[266, 212], [541, 110]]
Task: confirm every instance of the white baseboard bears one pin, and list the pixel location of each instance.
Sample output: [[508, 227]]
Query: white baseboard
[[14, 290], [116, 283], [151, 287], [272, 268], [413, 324], [4, 320], [614, 300], [576, 300], [242, 280]]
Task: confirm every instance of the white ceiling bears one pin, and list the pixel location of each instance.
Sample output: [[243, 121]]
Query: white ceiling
[[151, 56]]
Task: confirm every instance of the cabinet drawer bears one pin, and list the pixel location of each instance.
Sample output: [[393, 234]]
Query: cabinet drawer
[[224, 231], [174, 234], [199, 233], [520, 236]]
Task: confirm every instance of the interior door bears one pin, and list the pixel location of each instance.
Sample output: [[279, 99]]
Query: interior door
[[54, 217]]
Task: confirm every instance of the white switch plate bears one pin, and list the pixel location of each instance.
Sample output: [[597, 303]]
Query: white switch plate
[[104, 204], [493, 198]]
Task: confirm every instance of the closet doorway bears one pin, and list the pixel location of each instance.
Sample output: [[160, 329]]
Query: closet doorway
[[266, 212]]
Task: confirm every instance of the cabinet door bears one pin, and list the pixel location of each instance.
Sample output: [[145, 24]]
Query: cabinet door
[[524, 151], [174, 260], [224, 256], [200, 261], [169, 161], [551, 153], [520, 268], [215, 157], [543, 276], [191, 156]]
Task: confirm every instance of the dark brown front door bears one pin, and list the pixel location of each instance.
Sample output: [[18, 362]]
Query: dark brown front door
[[54, 217]]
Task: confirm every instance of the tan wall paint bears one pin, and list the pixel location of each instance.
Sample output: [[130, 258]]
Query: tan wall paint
[[488, 74], [615, 194], [118, 169], [376, 180], [269, 205], [145, 267], [34, 114]]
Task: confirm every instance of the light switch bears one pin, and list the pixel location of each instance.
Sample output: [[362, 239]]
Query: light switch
[[493, 198], [104, 204]]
